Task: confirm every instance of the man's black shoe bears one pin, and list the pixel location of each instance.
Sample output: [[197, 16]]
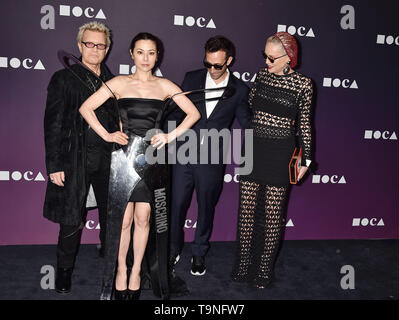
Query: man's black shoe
[[198, 267], [63, 281]]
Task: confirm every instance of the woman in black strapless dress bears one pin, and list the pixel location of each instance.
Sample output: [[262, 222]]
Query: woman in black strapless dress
[[138, 115], [140, 97]]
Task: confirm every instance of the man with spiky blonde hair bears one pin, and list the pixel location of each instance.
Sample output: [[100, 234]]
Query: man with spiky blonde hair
[[95, 26], [76, 157]]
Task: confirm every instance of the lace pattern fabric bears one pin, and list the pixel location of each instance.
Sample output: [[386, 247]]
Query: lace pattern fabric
[[266, 125], [260, 225], [283, 102], [281, 108]]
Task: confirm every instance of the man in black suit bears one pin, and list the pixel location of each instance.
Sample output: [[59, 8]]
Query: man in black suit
[[75, 155], [206, 179]]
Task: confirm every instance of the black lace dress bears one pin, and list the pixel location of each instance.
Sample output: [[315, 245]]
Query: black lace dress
[[281, 108]]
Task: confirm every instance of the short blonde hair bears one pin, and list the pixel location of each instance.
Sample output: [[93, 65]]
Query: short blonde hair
[[95, 26]]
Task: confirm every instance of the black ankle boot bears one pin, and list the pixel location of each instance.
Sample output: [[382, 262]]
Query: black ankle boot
[[63, 280]]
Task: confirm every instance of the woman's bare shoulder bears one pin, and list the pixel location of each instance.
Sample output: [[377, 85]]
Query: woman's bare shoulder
[[168, 84], [120, 79]]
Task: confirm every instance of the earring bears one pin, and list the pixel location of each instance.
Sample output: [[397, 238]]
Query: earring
[[287, 68]]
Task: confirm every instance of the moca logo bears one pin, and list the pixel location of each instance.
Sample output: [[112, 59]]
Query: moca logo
[[127, 69], [336, 83], [17, 176], [229, 178], [190, 224], [16, 63], [290, 223], [48, 11], [92, 225], [383, 39], [190, 21], [364, 222], [300, 31], [245, 76], [327, 179], [385, 135], [78, 12]]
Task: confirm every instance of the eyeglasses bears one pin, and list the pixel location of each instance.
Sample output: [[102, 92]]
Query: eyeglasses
[[100, 46], [270, 58], [216, 66]]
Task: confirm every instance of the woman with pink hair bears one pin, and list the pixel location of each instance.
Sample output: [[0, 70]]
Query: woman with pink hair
[[281, 101]]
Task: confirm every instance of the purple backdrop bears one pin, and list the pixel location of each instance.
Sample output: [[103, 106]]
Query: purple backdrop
[[349, 48]]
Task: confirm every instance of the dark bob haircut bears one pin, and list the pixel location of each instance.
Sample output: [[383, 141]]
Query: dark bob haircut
[[145, 36]]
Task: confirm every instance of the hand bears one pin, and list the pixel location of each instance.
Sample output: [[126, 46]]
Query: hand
[[302, 172], [118, 137], [159, 140], [58, 178]]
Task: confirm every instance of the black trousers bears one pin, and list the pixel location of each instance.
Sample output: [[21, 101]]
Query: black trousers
[[97, 174], [207, 180]]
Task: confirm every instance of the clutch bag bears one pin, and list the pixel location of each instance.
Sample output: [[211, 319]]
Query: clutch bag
[[294, 165]]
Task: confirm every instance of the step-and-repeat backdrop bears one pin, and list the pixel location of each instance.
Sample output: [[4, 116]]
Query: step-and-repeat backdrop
[[349, 48]]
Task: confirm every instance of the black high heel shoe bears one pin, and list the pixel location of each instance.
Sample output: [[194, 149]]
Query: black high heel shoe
[[121, 294], [133, 294]]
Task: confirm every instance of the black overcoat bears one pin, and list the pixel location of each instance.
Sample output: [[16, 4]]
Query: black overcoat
[[65, 133]]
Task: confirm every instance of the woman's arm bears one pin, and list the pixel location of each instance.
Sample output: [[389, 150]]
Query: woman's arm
[[185, 104], [305, 126], [95, 101]]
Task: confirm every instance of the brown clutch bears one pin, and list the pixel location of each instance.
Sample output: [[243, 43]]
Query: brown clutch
[[295, 164]]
